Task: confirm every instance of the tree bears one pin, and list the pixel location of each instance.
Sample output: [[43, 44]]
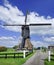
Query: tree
[[2, 48], [15, 47]]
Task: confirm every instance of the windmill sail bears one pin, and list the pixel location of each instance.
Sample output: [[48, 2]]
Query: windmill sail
[[41, 24]]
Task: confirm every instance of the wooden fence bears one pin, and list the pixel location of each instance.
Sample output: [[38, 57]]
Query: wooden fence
[[20, 54], [52, 57]]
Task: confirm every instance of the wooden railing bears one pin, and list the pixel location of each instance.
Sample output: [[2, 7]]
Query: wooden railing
[[20, 54], [10, 55], [52, 57]]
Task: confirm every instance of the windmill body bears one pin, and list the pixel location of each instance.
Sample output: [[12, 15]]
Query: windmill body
[[25, 31], [25, 36]]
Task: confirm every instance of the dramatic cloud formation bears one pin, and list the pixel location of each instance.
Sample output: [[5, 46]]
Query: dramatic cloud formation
[[12, 15]]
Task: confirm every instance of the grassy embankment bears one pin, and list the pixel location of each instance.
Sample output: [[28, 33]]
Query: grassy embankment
[[13, 61]]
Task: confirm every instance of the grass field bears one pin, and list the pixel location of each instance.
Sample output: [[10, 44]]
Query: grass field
[[49, 63], [13, 61], [9, 50]]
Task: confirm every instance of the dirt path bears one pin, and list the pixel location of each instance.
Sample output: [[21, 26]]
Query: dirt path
[[36, 59]]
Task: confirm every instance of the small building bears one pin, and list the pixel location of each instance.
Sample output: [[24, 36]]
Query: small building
[[51, 47]]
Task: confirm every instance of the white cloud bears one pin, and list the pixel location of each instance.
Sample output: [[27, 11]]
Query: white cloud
[[6, 38], [8, 41], [12, 15], [39, 44], [49, 39], [33, 18]]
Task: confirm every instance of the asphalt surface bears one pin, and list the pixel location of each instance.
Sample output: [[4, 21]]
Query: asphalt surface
[[37, 58]]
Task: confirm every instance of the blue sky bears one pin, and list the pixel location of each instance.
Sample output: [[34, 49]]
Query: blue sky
[[14, 11], [43, 7]]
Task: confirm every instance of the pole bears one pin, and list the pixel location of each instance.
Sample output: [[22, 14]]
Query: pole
[[24, 53], [49, 56]]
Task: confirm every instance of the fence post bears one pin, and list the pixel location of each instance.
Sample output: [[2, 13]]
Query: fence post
[[24, 54], [5, 55], [14, 55], [49, 56]]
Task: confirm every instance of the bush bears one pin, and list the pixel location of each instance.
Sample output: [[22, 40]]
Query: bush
[[3, 49]]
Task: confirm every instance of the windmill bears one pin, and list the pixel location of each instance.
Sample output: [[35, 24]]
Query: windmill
[[26, 31]]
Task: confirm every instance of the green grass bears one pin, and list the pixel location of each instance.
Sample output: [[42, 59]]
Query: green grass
[[49, 63], [13, 61], [9, 50]]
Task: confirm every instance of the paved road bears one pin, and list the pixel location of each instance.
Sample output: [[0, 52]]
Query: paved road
[[36, 59]]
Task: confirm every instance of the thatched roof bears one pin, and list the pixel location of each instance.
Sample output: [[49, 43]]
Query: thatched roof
[[28, 44]]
